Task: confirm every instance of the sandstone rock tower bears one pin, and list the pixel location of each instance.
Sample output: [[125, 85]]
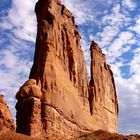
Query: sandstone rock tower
[[58, 99], [6, 121]]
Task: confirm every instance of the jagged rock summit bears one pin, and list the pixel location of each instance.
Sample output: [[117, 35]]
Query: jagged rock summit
[[6, 121], [58, 100]]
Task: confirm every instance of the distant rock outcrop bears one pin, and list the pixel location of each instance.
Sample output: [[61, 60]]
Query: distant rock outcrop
[[6, 121], [58, 100]]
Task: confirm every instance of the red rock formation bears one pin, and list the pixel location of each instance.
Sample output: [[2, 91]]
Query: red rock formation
[[6, 121], [103, 98], [59, 101], [29, 109]]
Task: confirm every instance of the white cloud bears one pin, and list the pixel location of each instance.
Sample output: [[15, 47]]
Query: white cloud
[[130, 4], [21, 20], [14, 71], [129, 96], [119, 45], [82, 16], [85, 11], [135, 63], [18, 27], [112, 24], [86, 48], [107, 35], [116, 17], [136, 27]]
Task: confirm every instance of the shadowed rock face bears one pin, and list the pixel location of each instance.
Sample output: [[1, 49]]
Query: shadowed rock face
[[6, 121], [58, 99], [29, 109]]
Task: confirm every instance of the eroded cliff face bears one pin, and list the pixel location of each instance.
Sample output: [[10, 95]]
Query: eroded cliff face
[[58, 99], [103, 97], [6, 121]]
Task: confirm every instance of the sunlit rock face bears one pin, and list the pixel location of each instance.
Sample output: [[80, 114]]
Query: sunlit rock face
[[58, 100], [6, 120], [102, 88]]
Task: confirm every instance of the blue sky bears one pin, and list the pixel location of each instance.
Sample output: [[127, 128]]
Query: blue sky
[[113, 24]]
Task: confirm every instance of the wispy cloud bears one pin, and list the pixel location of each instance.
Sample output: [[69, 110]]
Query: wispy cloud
[[136, 27], [21, 20], [130, 4], [17, 37]]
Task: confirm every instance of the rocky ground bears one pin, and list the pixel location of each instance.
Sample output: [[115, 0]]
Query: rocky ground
[[104, 135], [14, 136], [97, 135]]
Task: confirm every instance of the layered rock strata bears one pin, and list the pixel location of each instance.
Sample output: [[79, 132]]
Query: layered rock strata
[[58, 99], [6, 121]]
